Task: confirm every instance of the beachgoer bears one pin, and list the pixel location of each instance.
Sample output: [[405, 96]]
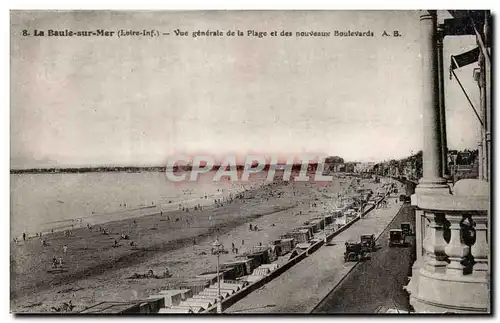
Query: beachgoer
[[251, 228], [65, 249], [242, 242], [60, 261], [116, 243]]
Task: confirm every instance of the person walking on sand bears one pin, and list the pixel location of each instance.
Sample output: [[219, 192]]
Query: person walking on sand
[[65, 249], [24, 236]]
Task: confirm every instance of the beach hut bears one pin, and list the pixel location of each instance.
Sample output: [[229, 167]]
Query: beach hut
[[261, 257], [299, 235], [310, 226], [211, 276], [205, 304], [185, 293], [273, 253], [195, 285], [234, 286], [213, 292], [318, 224], [211, 298], [241, 267], [225, 292], [286, 245], [272, 267], [170, 299], [261, 271]]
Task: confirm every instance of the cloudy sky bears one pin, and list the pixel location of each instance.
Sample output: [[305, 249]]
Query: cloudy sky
[[128, 101]]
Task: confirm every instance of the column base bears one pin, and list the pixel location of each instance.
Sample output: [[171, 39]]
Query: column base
[[441, 293], [436, 185]]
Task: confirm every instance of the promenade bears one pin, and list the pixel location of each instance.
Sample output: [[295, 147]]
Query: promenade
[[302, 287], [376, 284]]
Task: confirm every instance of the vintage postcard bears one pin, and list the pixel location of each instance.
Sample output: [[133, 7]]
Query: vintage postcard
[[242, 162]]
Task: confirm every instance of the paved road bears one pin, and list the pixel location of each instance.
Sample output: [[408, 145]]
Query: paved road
[[378, 281], [299, 289]]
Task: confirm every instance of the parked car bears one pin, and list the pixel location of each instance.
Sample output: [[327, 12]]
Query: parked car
[[396, 238], [406, 228], [368, 242], [353, 251]]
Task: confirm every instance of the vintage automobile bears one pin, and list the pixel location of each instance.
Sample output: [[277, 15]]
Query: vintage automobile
[[353, 251], [368, 242], [402, 198], [396, 237], [406, 228]]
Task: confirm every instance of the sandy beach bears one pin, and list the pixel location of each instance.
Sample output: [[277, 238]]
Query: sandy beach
[[177, 240]]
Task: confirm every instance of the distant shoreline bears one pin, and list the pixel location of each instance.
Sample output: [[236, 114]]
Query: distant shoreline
[[127, 169]]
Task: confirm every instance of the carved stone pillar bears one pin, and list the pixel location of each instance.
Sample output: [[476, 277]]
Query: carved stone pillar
[[434, 243], [456, 250], [480, 248]]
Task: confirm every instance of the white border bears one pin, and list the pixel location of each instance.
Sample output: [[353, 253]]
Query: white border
[[192, 5]]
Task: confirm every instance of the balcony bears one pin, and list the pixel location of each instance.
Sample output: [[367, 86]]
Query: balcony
[[451, 273]]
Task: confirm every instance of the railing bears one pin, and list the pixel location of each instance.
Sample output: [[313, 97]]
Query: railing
[[451, 273]]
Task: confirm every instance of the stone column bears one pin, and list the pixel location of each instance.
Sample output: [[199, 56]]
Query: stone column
[[442, 106], [487, 76], [482, 116], [432, 181]]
